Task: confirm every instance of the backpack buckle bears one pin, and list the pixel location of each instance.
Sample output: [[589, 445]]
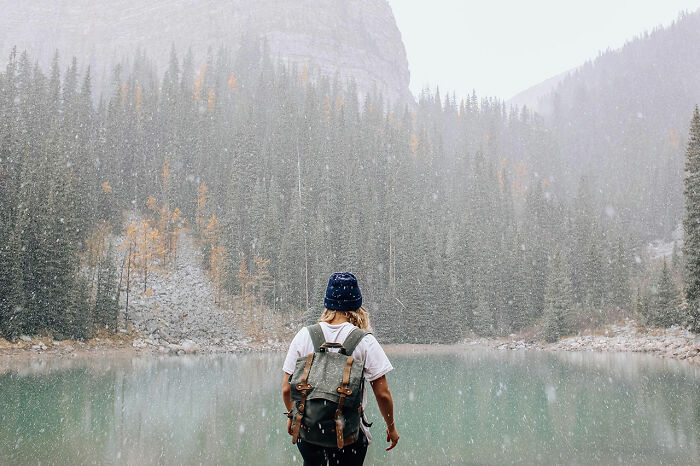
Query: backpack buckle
[[324, 347], [302, 386], [344, 390]]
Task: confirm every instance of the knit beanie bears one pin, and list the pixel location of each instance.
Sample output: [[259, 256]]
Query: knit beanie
[[343, 292]]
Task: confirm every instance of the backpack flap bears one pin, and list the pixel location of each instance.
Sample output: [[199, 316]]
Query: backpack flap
[[327, 375]]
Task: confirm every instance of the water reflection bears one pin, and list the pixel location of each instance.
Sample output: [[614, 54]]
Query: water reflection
[[453, 407]]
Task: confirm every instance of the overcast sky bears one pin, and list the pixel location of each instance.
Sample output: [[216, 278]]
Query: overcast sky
[[500, 47]]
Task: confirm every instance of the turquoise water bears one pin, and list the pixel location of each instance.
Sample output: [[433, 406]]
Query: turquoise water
[[455, 407]]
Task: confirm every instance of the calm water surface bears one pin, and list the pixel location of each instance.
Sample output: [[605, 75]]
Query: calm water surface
[[456, 407]]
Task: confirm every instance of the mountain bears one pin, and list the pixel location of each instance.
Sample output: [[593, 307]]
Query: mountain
[[353, 38], [532, 96], [622, 120]]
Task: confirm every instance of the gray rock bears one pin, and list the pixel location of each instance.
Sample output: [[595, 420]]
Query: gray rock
[[189, 346], [353, 38]]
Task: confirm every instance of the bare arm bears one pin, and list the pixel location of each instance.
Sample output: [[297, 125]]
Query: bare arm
[[386, 407], [287, 399]]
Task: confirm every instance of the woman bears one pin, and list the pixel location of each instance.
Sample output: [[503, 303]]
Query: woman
[[343, 313]]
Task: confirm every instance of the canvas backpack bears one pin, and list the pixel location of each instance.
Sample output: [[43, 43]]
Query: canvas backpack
[[327, 390]]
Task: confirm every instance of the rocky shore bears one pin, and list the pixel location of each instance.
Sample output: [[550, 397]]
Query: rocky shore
[[135, 343], [674, 343]]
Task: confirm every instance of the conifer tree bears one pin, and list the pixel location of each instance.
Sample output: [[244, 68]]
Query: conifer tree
[[675, 257], [664, 308], [559, 300], [620, 278], [11, 289], [483, 319], [691, 224], [106, 299]]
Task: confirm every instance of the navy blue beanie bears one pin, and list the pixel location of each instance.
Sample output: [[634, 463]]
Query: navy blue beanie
[[343, 292]]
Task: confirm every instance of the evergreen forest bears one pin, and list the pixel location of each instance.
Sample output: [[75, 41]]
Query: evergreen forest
[[459, 216]]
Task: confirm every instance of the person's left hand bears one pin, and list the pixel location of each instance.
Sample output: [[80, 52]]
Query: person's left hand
[[392, 436], [289, 426]]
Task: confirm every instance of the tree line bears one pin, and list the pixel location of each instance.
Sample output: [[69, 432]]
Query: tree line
[[457, 215]]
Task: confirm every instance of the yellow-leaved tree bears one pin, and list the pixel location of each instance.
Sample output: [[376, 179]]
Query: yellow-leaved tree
[[149, 247], [128, 263]]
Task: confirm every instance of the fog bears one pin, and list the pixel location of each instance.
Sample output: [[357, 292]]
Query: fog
[[183, 177]]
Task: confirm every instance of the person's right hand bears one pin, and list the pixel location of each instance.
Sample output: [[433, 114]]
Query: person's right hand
[[392, 436]]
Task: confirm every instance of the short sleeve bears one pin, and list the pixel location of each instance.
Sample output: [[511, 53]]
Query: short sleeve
[[296, 350], [376, 362]]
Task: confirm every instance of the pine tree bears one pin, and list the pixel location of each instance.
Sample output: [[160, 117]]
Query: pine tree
[[483, 319], [106, 299], [641, 305], [559, 300], [76, 322], [620, 278], [11, 289], [664, 307], [691, 224], [676, 258]]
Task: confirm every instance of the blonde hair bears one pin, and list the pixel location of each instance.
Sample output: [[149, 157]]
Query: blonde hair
[[358, 317]]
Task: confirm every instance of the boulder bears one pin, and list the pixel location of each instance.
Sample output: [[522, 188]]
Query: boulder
[[189, 347]]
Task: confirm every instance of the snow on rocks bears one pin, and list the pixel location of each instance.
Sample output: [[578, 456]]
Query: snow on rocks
[[674, 342], [178, 314]]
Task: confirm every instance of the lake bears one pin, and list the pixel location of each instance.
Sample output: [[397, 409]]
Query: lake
[[453, 406]]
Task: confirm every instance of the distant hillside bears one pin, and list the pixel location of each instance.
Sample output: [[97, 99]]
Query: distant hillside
[[532, 96], [354, 38], [623, 119]]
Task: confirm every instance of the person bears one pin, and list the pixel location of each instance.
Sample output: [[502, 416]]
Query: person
[[343, 313]]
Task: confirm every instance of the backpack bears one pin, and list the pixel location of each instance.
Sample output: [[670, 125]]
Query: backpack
[[327, 390]]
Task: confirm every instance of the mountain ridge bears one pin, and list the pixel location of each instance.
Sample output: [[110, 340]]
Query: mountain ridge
[[538, 97], [356, 39]]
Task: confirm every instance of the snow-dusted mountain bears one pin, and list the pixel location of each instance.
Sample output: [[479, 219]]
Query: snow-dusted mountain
[[622, 120], [357, 38]]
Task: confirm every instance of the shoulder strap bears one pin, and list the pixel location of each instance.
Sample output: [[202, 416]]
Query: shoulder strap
[[353, 340], [317, 337]]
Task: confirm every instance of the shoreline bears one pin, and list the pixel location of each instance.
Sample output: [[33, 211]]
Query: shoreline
[[627, 337]]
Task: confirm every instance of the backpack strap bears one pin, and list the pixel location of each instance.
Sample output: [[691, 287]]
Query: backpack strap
[[344, 391], [353, 340], [304, 388], [317, 337]]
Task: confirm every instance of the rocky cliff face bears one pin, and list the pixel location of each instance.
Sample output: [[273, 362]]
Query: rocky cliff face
[[357, 38]]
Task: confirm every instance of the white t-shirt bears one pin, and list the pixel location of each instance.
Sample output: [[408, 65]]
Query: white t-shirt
[[368, 350]]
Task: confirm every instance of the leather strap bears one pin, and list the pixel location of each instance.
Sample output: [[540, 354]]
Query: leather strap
[[344, 391], [346, 375], [317, 337], [349, 440], [303, 387], [363, 417], [352, 340]]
